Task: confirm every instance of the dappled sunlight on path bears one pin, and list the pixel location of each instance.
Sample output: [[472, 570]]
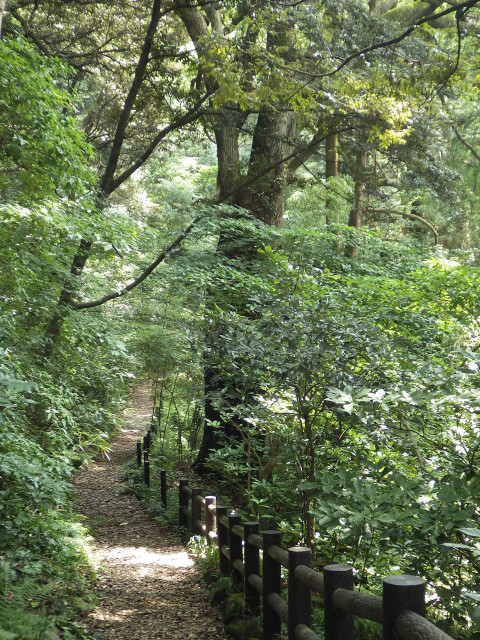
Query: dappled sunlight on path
[[147, 584], [142, 556]]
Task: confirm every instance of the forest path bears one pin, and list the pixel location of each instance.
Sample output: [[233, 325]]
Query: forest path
[[147, 583]]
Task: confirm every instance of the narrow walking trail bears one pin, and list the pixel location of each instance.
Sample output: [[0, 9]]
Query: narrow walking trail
[[147, 583]]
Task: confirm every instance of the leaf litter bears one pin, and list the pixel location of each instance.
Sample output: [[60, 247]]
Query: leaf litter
[[147, 585]]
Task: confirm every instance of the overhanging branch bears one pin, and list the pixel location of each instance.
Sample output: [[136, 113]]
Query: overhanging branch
[[466, 144], [460, 8], [409, 216], [118, 294], [190, 116]]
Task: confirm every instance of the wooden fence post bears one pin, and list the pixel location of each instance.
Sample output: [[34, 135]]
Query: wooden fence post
[[252, 566], [222, 540], [401, 592], [196, 509], [163, 487], [235, 544], [139, 453], [272, 583], [209, 516], [146, 468], [338, 625], [182, 503], [299, 593]]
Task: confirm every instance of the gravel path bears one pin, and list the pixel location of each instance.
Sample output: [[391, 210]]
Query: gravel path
[[147, 584]]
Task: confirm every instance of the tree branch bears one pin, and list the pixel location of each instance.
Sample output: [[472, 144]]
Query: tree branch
[[118, 294], [193, 114], [119, 138], [466, 144], [409, 216], [316, 140], [462, 7]]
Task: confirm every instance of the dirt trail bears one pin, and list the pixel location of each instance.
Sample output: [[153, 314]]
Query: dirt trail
[[147, 583]]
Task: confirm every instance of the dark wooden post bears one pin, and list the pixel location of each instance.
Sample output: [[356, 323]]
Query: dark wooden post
[[145, 442], [146, 468], [209, 516], [338, 625], [222, 540], [163, 487], [139, 453], [235, 544], [182, 502], [299, 593], [401, 593], [196, 508], [252, 566], [272, 583]]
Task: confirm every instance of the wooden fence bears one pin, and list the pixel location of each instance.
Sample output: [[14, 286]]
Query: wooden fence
[[400, 610]]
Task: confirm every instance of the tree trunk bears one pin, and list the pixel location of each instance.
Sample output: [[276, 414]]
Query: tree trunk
[[227, 132], [264, 198], [3, 4], [356, 213], [107, 185], [331, 171], [271, 143]]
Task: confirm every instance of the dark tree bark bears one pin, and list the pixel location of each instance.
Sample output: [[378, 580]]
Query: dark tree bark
[[265, 197], [110, 180]]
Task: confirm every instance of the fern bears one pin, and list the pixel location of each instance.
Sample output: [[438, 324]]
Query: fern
[[16, 598]]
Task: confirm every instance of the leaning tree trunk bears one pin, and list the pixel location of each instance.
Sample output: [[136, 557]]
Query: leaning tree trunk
[[356, 214], [106, 187]]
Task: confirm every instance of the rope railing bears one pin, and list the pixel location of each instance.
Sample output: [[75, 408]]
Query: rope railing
[[400, 610]]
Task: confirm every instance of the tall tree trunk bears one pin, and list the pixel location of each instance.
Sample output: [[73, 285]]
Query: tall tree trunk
[[331, 171], [265, 197], [227, 132], [356, 214], [229, 120], [3, 4]]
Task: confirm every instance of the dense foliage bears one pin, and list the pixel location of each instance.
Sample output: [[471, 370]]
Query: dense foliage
[[312, 339]]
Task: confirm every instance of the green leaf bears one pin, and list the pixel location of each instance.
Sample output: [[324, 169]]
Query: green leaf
[[470, 532], [456, 545]]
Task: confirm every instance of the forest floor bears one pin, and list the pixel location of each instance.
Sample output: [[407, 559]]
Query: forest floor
[[147, 584]]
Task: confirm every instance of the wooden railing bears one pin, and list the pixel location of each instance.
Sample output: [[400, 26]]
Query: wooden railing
[[400, 610]]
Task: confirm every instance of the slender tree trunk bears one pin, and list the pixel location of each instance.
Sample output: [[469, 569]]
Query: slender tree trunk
[[356, 213], [107, 184], [3, 4], [331, 171]]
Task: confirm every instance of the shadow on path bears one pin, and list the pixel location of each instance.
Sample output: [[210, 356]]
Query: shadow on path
[[147, 583]]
